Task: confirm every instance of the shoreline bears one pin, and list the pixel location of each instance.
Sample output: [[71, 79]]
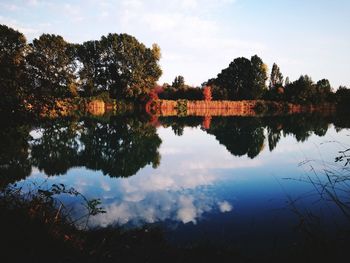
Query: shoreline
[[234, 108], [180, 108]]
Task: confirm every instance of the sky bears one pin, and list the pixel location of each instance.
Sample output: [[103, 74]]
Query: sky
[[198, 38]]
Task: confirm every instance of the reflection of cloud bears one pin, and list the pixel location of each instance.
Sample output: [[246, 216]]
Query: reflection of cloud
[[187, 211], [225, 206], [159, 206]]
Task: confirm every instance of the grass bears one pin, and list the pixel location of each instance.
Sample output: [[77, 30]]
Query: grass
[[326, 232]]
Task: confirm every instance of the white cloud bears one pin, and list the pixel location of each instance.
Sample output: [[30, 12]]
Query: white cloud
[[225, 206], [193, 43], [187, 211]]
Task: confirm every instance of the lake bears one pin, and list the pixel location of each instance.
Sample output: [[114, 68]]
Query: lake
[[257, 184]]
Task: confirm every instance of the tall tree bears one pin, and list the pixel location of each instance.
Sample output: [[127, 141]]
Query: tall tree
[[179, 82], [243, 79], [301, 91], [259, 77], [92, 73], [131, 69], [276, 77], [323, 90], [13, 47], [51, 66]]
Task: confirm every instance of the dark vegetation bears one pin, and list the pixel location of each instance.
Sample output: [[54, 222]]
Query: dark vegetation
[[36, 75], [33, 76], [245, 79], [101, 144], [109, 143]]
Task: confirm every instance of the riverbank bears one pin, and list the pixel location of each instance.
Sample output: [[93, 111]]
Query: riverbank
[[234, 108], [243, 108], [81, 106]]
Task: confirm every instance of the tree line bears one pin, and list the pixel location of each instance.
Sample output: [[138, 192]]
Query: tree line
[[246, 79], [121, 67], [50, 67]]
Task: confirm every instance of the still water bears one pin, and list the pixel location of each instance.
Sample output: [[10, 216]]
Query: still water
[[223, 180]]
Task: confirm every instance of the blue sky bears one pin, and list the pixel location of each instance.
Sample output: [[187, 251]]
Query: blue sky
[[198, 38]]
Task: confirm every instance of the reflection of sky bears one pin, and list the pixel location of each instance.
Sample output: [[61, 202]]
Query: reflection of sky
[[198, 179]]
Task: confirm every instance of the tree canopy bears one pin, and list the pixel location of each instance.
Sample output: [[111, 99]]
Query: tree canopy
[[13, 47], [242, 79], [50, 67], [276, 77]]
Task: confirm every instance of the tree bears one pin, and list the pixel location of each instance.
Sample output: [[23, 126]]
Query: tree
[[287, 81], [92, 73], [276, 77], [323, 90], [343, 98], [259, 77], [243, 79], [13, 90], [207, 93], [179, 82], [51, 67], [130, 69], [301, 91]]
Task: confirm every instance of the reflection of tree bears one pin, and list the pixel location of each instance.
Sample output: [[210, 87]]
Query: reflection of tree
[[118, 148], [240, 135], [302, 126], [179, 123], [121, 147], [14, 159], [245, 135], [273, 137], [57, 149]]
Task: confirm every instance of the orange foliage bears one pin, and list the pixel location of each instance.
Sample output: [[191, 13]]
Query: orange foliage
[[96, 107], [207, 93], [206, 122]]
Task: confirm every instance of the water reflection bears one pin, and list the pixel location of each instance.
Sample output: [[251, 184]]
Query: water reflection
[[15, 163], [221, 179], [121, 146]]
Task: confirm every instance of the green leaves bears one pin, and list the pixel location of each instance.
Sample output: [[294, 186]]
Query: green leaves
[[119, 63], [243, 79], [94, 207]]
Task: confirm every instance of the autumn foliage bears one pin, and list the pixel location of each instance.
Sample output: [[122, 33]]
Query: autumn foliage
[[207, 93]]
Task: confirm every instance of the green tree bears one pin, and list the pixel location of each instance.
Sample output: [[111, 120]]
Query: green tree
[[343, 98], [258, 79], [301, 91], [323, 90], [51, 67], [179, 82], [276, 77], [12, 69], [131, 69], [92, 73], [243, 79]]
